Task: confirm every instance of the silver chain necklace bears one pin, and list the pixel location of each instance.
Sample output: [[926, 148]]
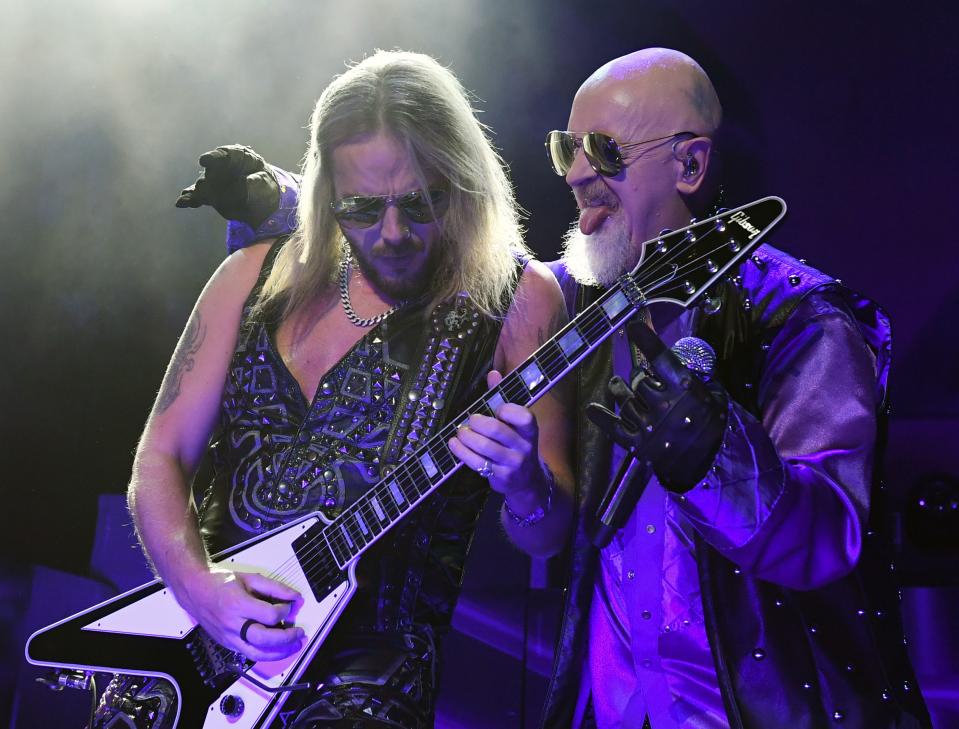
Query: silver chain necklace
[[346, 268]]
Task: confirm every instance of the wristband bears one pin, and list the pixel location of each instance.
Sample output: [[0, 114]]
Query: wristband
[[540, 512]]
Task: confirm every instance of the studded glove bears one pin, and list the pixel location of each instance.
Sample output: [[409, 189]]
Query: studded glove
[[668, 416]]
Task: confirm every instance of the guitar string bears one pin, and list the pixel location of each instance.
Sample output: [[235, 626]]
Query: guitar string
[[588, 327]]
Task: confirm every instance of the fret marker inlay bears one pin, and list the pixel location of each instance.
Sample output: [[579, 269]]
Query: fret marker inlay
[[615, 304], [532, 376], [428, 465], [570, 343], [359, 520], [397, 493]]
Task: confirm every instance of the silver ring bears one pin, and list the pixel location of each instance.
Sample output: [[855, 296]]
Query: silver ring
[[245, 628], [486, 470]]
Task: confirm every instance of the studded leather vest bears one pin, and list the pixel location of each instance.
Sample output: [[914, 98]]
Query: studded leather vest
[[277, 457]]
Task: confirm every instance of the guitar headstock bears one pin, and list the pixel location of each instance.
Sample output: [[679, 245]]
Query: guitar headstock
[[681, 265]]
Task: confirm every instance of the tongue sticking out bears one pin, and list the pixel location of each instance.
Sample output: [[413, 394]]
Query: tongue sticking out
[[591, 218]]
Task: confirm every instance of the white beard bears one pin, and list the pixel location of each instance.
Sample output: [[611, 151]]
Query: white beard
[[602, 257]]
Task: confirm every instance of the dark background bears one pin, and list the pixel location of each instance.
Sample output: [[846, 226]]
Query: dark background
[[846, 110]]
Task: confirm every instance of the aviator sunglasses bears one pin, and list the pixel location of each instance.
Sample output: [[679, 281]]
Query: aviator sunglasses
[[604, 154], [363, 211]]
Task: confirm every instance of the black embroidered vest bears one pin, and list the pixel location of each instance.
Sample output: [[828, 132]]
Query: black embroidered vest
[[277, 457]]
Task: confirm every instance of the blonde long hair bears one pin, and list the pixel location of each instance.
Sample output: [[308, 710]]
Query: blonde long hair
[[421, 104]]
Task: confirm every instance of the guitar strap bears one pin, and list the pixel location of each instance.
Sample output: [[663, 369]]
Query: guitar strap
[[451, 330]]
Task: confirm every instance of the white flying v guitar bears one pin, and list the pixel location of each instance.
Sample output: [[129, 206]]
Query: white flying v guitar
[[146, 632]]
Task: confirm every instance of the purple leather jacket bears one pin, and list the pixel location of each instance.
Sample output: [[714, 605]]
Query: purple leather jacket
[[802, 617]]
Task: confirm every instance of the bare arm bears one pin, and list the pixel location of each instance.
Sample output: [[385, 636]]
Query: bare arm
[[528, 449], [173, 441]]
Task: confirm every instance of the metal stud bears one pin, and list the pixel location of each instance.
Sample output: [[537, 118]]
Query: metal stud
[[759, 654], [838, 715], [793, 280]]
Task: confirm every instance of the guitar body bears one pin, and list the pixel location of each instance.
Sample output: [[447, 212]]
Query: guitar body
[[146, 632]]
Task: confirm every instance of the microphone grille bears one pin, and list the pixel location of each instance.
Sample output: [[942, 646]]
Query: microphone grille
[[697, 355]]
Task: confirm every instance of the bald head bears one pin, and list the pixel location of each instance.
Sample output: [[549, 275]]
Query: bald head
[[648, 102], [660, 90]]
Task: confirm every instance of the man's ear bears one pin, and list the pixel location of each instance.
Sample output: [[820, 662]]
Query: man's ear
[[692, 156]]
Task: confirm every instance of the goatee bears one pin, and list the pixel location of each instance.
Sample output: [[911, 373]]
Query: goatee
[[602, 257], [406, 287]]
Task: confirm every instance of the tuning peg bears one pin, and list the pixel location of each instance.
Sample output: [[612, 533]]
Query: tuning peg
[[712, 305]]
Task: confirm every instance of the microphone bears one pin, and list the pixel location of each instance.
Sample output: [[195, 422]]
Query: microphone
[[696, 355], [634, 472]]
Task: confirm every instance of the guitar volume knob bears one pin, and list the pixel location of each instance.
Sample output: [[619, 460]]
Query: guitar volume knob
[[231, 705]]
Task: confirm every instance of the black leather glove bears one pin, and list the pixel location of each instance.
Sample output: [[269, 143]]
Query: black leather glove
[[668, 416], [237, 183]]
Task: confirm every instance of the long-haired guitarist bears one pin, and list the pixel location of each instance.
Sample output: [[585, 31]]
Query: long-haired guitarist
[[313, 365]]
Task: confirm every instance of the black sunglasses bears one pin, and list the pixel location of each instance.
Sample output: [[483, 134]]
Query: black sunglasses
[[363, 211], [605, 154]]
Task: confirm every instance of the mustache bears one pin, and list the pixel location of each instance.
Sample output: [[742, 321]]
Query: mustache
[[395, 251], [595, 193]]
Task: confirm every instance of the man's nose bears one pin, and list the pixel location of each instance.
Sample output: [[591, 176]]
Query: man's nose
[[579, 171], [396, 227]]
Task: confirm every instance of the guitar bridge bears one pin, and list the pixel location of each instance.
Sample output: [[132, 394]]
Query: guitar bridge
[[213, 661]]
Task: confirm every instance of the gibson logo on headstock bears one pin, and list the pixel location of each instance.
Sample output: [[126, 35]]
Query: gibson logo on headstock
[[742, 220]]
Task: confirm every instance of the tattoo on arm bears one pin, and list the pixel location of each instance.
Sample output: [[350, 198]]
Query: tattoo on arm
[[557, 322], [184, 357]]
